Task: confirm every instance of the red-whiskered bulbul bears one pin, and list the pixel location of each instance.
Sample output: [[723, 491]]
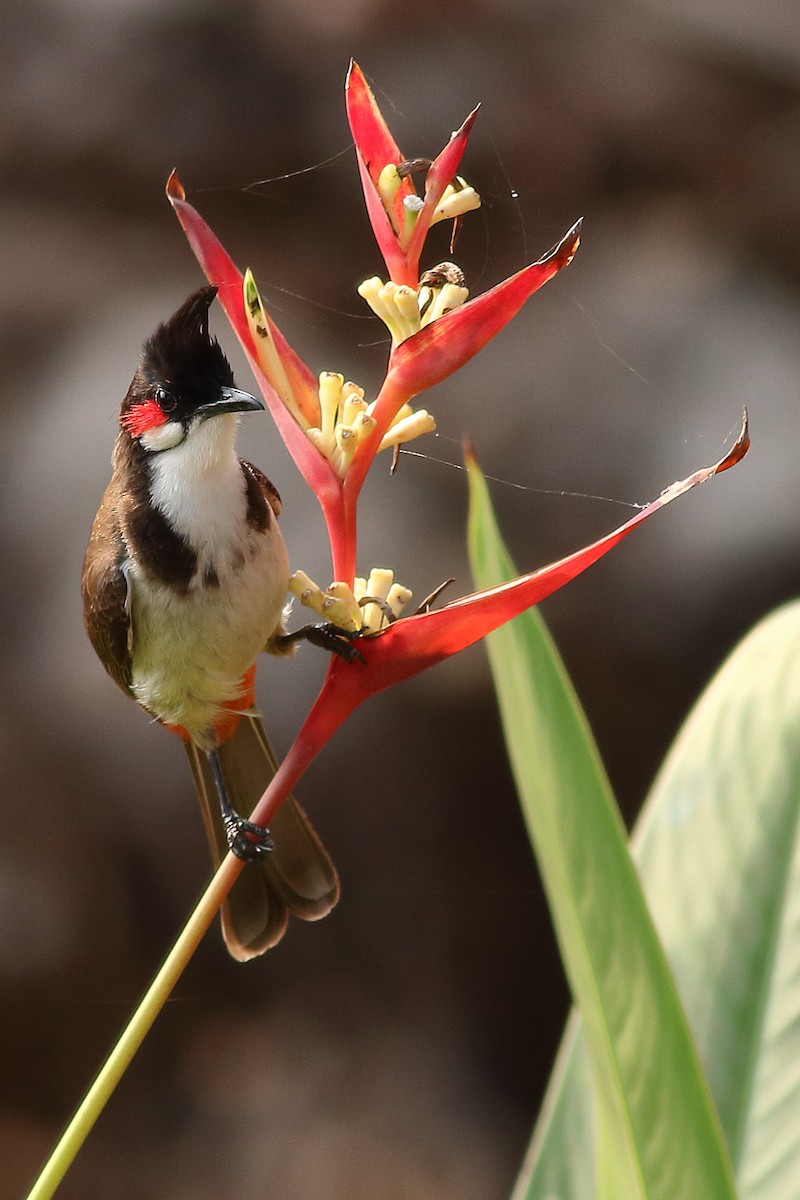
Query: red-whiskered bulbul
[[184, 584]]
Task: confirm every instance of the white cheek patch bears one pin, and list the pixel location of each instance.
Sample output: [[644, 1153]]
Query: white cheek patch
[[163, 437]]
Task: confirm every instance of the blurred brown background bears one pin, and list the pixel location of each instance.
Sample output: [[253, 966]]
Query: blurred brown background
[[398, 1049]]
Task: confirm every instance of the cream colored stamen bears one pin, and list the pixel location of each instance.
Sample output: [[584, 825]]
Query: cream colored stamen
[[409, 428], [440, 301], [381, 586], [338, 604], [345, 421], [266, 351], [330, 399], [405, 311], [389, 182], [455, 202]]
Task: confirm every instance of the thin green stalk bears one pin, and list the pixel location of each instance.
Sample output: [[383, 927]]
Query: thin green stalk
[[135, 1032]]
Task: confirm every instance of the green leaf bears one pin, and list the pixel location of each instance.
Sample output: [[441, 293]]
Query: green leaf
[[657, 1136], [718, 847], [562, 1151]]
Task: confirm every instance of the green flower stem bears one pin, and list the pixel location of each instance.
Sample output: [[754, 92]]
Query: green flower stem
[[135, 1032]]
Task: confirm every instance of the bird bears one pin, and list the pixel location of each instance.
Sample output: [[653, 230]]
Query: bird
[[184, 584]]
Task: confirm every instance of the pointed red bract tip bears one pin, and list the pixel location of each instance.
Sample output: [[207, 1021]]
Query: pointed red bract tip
[[465, 128], [564, 252], [175, 189], [738, 449]]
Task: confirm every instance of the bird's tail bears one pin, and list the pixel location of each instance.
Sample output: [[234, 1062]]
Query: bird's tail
[[297, 877]]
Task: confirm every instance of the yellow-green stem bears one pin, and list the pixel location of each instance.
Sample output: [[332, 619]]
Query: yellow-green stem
[[135, 1032]]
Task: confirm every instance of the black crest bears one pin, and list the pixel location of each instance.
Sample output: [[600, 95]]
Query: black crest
[[183, 359]]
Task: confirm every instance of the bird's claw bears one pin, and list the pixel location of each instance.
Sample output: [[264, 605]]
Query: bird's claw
[[328, 637], [240, 834]]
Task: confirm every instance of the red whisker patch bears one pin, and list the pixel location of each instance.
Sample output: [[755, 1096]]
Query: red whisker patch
[[143, 417]]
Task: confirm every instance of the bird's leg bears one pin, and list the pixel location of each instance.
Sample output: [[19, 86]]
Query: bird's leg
[[325, 635], [236, 827]]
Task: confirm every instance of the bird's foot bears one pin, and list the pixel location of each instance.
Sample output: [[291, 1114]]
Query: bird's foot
[[328, 637], [248, 841]]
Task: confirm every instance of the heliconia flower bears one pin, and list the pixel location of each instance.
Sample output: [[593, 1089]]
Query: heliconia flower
[[399, 216], [334, 433], [331, 437], [438, 349], [413, 644]]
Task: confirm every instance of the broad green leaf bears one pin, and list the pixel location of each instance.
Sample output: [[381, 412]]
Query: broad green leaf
[[658, 1135], [718, 847], [560, 1159]]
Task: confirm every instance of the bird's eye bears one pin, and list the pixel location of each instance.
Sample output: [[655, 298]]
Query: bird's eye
[[165, 400]]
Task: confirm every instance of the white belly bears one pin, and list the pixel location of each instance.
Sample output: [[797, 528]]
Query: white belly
[[189, 652]]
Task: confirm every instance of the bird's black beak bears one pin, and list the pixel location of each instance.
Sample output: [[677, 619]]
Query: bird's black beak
[[230, 400]]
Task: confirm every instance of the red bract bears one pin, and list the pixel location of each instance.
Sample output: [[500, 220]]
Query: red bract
[[442, 347], [376, 149], [221, 270], [415, 643]]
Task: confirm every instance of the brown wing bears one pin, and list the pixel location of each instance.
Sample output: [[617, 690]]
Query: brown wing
[[106, 607], [264, 504], [268, 489]]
